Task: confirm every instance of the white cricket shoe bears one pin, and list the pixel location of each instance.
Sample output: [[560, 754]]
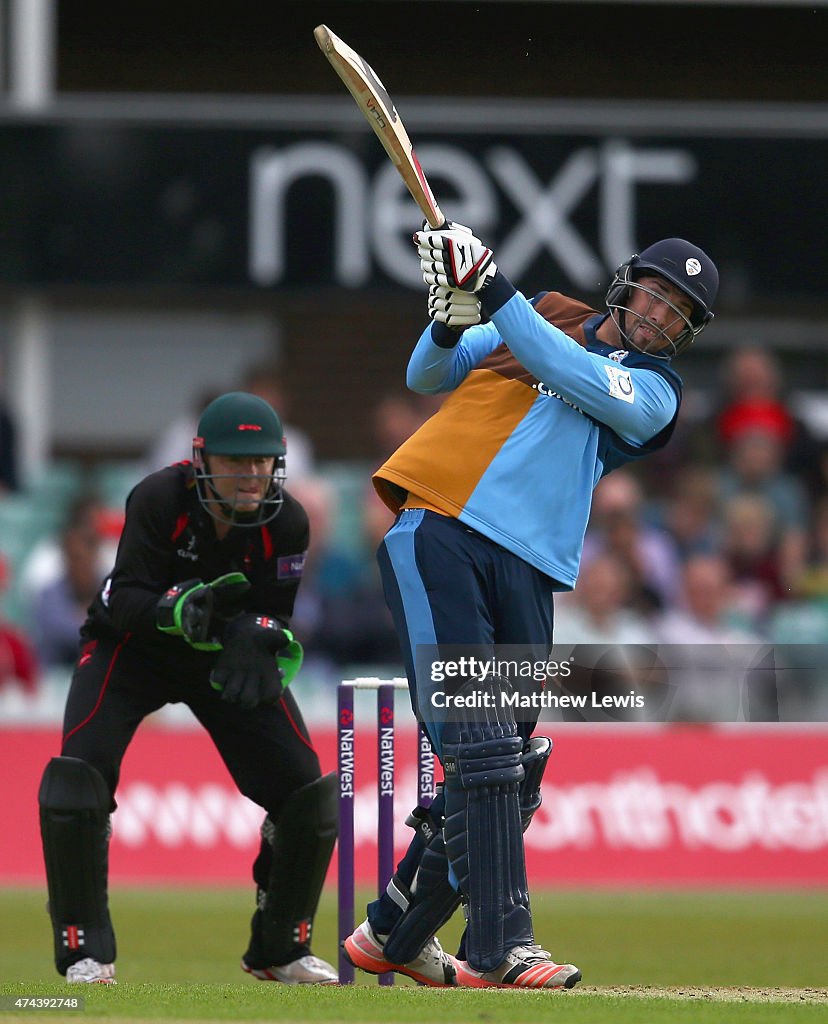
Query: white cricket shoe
[[307, 970], [524, 967], [432, 967], [90, 972]]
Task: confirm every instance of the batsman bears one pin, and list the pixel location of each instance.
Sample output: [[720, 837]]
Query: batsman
[[492, 496], [197, 611]]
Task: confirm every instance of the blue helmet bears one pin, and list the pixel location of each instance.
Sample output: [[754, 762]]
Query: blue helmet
[[686, 266]]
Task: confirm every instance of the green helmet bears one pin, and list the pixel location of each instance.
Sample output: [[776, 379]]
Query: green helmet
[[239, 424]]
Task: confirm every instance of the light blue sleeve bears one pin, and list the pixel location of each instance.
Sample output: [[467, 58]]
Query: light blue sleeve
[[635, 403], [432, 369]]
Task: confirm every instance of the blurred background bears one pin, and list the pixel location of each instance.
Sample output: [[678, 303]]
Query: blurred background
[[191, 203]]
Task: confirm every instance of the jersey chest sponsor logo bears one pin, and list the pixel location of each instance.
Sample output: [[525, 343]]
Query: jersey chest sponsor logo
[[547, 392]]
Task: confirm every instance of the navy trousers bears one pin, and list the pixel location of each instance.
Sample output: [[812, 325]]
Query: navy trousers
[[449, 589]]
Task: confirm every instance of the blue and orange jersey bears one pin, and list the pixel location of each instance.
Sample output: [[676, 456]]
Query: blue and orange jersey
[[538, 411]]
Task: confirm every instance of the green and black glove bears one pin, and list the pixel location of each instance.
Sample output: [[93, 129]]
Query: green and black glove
[[258, 661], [198, 611]]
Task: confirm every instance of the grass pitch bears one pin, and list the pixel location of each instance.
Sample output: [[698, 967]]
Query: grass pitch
[[654, 957]]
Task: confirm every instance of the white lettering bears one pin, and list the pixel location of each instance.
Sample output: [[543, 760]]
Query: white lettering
[[473, 202], [346, 763], [622, 168], [545, 213], [376, 216], [615, 700], [272, 172], [638, 810], [386, 761]]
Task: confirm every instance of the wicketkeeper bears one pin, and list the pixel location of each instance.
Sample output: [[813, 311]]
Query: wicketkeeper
[[197, 610], [492, 496]]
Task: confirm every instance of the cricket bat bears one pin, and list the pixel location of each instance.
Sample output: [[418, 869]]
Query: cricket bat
[[373, 100]]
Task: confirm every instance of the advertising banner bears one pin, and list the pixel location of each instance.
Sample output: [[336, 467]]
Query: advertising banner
[[117, 202], [622, 806]]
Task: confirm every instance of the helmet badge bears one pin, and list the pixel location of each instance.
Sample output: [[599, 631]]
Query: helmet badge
[[693, 267]]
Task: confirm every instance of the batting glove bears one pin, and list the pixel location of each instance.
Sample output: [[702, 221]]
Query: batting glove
[[455, 258], [457, 310]]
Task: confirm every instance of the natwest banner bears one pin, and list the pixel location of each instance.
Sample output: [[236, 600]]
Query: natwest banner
[[622, 805]]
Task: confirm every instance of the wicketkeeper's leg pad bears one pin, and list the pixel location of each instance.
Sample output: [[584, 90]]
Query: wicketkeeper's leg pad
[[290, 872], [74, 826], [482, 760]]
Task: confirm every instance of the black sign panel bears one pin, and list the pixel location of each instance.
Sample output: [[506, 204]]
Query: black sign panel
[[111, 202]]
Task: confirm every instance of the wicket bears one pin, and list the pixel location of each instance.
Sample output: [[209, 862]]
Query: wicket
[[346, 732]]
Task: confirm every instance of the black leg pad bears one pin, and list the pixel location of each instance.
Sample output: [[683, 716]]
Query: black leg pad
[[74, 827], [296, 852]]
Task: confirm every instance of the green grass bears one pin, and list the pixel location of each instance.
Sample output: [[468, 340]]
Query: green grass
[[269, 1003], [179, 951]]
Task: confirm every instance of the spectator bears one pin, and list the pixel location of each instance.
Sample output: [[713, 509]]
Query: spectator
[[397, 416], [691, 514], [175, 442], [617, 527], [18, 660], [266, 379], [706, 613], [812, 583], [358, 629], [328, 583], [755, 466], [751, 549], [753, 392], [708, 651], [342, 618], [804, 620], [45, 564], [60, 607], [598, 612]]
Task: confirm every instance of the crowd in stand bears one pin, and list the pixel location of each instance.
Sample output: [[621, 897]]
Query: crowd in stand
[[722, 538]]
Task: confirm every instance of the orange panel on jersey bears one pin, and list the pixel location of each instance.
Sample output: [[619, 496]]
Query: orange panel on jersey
[[444, 460]]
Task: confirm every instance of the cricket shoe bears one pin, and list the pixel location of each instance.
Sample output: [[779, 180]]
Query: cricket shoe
[[524, 967], [432, 967], [90, 972], [307, 970]]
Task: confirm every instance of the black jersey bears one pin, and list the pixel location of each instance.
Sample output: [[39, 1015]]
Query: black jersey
[[168, 538]]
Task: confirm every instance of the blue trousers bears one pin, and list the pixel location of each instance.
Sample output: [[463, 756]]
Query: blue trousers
[[449, 588]]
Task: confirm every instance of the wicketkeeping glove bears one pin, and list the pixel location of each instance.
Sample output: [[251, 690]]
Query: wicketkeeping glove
[[454, 258], [197, 611], [258, 661], [457, 310]]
